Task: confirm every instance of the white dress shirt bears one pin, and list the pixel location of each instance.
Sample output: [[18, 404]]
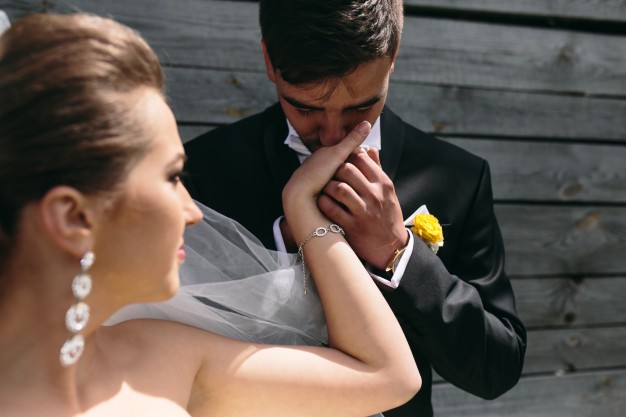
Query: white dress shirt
[[4, 22], [372, 140]]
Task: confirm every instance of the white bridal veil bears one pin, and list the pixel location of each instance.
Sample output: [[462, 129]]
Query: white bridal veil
[[232, 285]]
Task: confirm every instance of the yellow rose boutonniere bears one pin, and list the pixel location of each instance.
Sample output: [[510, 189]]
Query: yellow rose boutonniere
[[427, 227]]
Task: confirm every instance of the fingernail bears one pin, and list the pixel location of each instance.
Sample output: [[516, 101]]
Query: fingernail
[[364, 127], [365, 147]]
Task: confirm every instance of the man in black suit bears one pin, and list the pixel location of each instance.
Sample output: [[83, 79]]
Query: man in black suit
[[331, 62]]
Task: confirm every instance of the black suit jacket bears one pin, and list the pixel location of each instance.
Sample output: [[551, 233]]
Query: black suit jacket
[[457, 307]]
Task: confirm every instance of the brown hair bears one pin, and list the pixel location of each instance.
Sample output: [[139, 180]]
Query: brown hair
[[64, 110], [316, 40]]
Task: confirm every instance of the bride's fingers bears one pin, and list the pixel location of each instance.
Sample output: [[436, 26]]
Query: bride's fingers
[[337, 154], [320, 167]]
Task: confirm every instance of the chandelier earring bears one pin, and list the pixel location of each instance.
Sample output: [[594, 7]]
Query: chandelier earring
[[77, 316]]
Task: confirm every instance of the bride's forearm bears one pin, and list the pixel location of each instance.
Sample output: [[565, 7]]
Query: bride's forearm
[[360, 323]]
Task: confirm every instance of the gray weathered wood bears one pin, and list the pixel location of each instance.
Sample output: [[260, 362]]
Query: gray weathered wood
[[217, 34], [548, 171], [225, 34], [559, 351], [607, 10], [563, 240], [216, 97], [558, 302], [588, 394], [439, 51]]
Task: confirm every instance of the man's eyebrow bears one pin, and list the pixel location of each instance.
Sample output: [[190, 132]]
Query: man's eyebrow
[[367, 103], [300, 105]]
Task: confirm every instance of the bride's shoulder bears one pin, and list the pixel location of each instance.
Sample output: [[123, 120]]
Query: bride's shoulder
[[178, 349], [156, 339], [156, 355], [148, 335]]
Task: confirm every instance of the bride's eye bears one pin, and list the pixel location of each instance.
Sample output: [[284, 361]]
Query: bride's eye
[[176, 177]]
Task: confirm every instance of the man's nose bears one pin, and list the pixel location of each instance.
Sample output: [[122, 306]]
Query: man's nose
[[332, 133]]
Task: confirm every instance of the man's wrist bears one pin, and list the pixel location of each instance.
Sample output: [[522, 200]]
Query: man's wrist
[[392, 263], [394, 260]]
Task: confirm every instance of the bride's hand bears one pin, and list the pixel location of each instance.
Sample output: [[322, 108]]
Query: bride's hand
[[309, 179]]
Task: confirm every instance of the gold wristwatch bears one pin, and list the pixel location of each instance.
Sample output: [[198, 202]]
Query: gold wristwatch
[[395, 259]]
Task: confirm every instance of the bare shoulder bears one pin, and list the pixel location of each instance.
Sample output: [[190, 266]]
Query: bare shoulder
[[158, 357], [146, 338]]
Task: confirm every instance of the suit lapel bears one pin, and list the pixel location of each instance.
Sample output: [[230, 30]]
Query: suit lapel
[[282, 160], [392, 141]]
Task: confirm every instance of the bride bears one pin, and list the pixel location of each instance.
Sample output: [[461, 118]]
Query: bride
[[92, 214]]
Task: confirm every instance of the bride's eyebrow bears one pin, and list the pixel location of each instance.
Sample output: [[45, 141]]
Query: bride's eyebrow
[[181, 156]]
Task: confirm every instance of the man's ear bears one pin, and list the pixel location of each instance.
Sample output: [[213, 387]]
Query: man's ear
[[269, 68], [393, 60], [69, 219]]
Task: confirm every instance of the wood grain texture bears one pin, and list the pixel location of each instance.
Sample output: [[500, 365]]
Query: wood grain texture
[[215, 97], [476, 54], [549, 171], [545, 303], [561, 351], [557, 352], [563, 240], [611, 10], [226, 34], [587, 394]]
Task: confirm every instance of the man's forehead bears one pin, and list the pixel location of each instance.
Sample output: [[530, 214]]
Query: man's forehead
[[368, 81]]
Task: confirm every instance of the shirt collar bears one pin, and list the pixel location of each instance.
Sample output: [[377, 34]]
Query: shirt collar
[[294, 142]]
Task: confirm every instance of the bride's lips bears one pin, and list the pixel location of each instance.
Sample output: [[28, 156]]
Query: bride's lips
[[181, 252]]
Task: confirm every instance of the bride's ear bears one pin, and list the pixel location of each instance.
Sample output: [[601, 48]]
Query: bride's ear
[[69, 218]]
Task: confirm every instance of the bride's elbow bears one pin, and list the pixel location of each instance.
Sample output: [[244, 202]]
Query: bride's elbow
[[403, 385], [410, 383]]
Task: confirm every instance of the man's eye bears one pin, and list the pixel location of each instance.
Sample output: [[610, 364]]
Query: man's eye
[[305, 112]]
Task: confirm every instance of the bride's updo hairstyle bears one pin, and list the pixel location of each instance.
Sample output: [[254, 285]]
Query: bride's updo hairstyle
[[66, 115]]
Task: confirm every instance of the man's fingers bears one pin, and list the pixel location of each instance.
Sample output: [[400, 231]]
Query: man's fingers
[[369, 167], [345, 196], [374, 153], [333, 210]]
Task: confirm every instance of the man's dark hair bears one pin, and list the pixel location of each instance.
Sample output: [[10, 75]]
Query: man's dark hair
[[314, 40]]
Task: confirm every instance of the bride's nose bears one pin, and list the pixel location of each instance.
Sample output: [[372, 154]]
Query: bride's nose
[[192, 213]]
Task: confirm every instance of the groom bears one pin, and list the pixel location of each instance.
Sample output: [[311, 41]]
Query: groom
[[331, 62]]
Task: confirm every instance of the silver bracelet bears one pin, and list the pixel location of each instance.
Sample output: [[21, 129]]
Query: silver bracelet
[[319, 232]]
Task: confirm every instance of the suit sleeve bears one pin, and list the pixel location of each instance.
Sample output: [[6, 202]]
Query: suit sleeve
[[465, 322]]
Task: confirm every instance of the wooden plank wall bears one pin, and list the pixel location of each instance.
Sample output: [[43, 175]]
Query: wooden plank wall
[[538, 88]]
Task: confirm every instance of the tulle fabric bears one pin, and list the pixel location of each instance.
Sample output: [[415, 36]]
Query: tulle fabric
[[232, 285]]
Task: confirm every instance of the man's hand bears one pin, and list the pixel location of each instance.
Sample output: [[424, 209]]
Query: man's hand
[[362, 199]]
